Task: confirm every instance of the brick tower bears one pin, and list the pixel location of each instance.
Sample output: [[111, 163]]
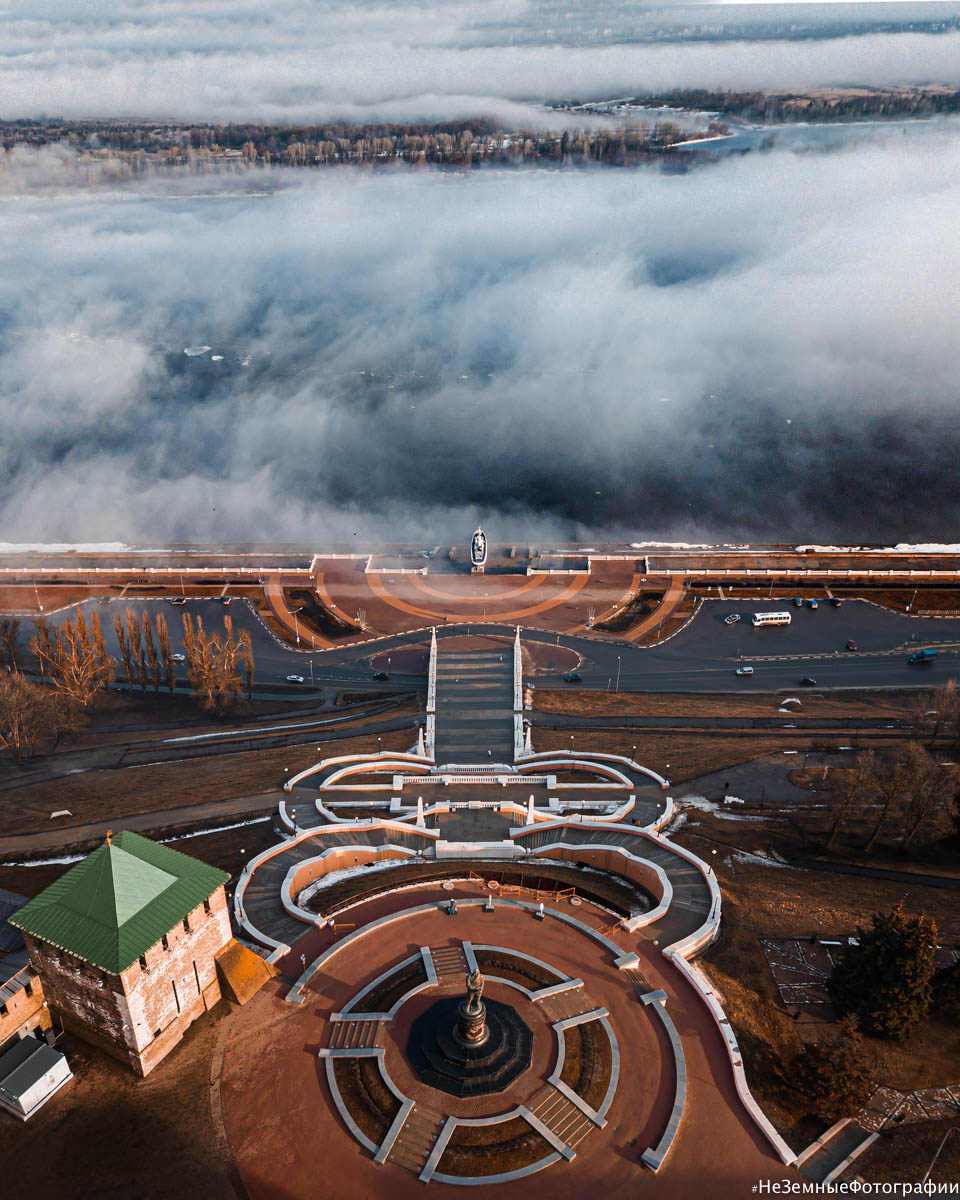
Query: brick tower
[[126, 943]]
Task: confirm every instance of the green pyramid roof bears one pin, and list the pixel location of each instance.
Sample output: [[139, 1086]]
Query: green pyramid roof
[[120, 901]]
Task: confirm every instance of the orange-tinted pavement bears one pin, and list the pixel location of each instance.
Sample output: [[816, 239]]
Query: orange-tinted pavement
[[289, 1141]]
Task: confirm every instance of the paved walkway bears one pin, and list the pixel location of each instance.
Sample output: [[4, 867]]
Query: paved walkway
[[474, 706], [286, 1134]]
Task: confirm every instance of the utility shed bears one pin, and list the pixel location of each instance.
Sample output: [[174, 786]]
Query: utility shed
[[30, 1073], [126, 945]]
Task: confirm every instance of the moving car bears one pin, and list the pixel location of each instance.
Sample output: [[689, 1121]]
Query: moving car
[[380, 675], [732, 619], [178, 600], [573, 677], [744, 670], [294, 679], [851, 644], [922, 656], [179, 657], [807, 681]]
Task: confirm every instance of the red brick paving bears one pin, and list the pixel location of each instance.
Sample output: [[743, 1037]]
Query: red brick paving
[[290, 1143]]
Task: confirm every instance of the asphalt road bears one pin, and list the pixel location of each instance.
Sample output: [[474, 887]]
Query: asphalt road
[[703, 657]]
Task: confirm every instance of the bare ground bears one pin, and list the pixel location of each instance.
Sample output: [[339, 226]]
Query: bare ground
[[103, 795], [589, 703], [765, 901], [108, 1134], [682, 757]]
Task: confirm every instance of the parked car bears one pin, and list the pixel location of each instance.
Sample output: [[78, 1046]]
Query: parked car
[[294, 679], [744, 670], [812, 604], [226, 599], [178, 600], [807, 681], [732, 619], [835, 602], [798, 602], [573, 677], [851, 644], [179, 657]]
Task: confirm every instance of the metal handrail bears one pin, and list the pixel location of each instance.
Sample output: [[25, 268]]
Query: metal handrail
[[933, 1161]]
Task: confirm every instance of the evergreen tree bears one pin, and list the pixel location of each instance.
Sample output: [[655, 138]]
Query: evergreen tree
[[946, 991], [833, 1075], [885, 981]]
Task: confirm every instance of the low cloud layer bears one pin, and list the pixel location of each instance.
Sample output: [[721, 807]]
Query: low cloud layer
[[764, 348], [297, 61]]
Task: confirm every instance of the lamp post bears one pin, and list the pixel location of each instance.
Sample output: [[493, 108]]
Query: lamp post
[[618, 673], [296, 625]]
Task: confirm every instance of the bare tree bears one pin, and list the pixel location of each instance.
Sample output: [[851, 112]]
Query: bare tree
[[848, 789], [246, 654], [69, 661], [166, 654], [104, 661], [213, 663], [124, 645], [136, 648], [30, 713], [151, 648], [44, 641], [885, 780], [927, 802], [937, 711], [9, 640]]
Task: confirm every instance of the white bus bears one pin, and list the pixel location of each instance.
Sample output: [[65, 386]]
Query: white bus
[[771, 618]]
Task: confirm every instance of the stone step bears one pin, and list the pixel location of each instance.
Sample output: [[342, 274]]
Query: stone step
[[415, 1140]]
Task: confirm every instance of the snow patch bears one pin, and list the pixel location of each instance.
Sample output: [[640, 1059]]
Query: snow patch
[[761, 858], [64, 547], [197, 351]]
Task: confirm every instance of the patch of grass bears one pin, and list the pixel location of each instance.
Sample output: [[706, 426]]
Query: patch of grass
[[112, 794], [492, 1149], [367, 1098], [508, 966], [590, 703]]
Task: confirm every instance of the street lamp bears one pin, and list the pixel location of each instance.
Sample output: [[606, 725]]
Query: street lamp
[[296, 624], [618, 673]]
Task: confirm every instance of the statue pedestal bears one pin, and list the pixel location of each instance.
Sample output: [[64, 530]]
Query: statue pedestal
[[471, 1028]]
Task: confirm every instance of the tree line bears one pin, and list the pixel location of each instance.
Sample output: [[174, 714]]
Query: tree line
[[75, 667], [906, 797], [132, 148], [785, 107]]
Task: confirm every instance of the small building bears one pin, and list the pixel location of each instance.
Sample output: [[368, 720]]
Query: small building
[[23, 1009], [126, 945], [30, 1073]]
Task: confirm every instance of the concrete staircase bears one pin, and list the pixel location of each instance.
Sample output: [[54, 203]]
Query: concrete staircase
[[415, 1140], [560, 1116], [474, 706], [566, 1004], [449, 963], [354, 1035], [827, 1158]]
